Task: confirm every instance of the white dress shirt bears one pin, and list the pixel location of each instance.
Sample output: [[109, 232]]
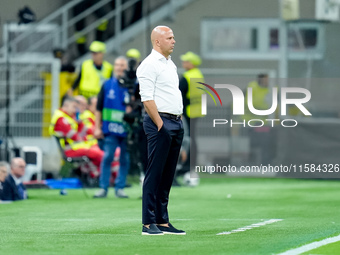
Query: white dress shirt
[[158, 81]]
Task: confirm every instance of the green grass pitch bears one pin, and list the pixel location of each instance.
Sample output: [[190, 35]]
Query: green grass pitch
[[48, 223]]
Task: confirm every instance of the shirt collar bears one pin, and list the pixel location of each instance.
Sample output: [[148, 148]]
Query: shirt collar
[[158, 55], [16, 180]]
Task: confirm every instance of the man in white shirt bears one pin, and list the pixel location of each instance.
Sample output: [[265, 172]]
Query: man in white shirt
[[162, 99]]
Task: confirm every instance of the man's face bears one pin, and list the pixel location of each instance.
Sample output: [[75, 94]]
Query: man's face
[[97, 57], [18, 168], [70, 108], [119, 67], [187, 65], [81, 105], [167, 42], [264, 81], [3, 173]]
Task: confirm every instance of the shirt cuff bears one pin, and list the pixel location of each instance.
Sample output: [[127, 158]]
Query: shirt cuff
[[146, 97]]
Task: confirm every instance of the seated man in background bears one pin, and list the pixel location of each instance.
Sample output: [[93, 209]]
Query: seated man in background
[[87, 118], [84, 131], [86, 122], [4, 170], [65, 127], [13, 189], [81, 106]]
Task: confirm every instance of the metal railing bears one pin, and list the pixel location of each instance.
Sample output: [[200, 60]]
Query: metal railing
[[65, 22], [34, 95], [150, 15], [62, 12]]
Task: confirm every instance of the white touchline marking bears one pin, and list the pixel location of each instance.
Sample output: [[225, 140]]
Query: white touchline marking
[[311, 246], [255, 225], [84, 234]]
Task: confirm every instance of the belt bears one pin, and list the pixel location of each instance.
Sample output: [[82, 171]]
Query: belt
[[170, 116]]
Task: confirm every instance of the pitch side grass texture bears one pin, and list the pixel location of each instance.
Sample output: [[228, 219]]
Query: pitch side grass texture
[[49, 223]]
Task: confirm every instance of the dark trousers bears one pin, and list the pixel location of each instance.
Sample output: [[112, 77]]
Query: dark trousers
[[163, 151], [192, 156]]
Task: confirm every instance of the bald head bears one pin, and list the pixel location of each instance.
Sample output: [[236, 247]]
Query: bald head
[[163, 40], [157, 32]]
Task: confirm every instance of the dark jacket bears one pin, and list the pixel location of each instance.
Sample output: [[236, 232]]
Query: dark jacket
[[10, 190], [1, 188]]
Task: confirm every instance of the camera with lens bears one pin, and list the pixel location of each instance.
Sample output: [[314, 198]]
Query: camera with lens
[[132, 119], [129, 79]]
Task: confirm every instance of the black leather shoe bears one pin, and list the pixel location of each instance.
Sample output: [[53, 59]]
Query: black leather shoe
[[171, 230], [152, 230]]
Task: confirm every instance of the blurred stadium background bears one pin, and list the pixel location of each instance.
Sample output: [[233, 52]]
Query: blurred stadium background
[[294, 39], [234, 38]]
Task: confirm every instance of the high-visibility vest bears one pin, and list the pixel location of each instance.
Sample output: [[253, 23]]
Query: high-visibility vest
[[259, 100], [66, 143], [193, 109], [92, 79], [86, 118]]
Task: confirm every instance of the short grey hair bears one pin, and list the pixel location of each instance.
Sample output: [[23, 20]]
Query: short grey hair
[[68, 99], [5, 164], [122, 57]]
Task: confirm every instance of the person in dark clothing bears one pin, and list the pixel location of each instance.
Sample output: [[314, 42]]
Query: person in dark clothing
[[4, 170], [191, 100], [158, 79], [13, 189]]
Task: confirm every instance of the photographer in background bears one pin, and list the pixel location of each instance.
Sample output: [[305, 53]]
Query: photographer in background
[[113, 103], [136, 138]]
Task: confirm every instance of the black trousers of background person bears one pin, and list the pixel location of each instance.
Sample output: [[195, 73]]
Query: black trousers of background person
[[192, 155], [163, 151]]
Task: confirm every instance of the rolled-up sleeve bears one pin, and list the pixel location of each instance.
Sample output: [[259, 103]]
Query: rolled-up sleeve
[[146, 74]]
